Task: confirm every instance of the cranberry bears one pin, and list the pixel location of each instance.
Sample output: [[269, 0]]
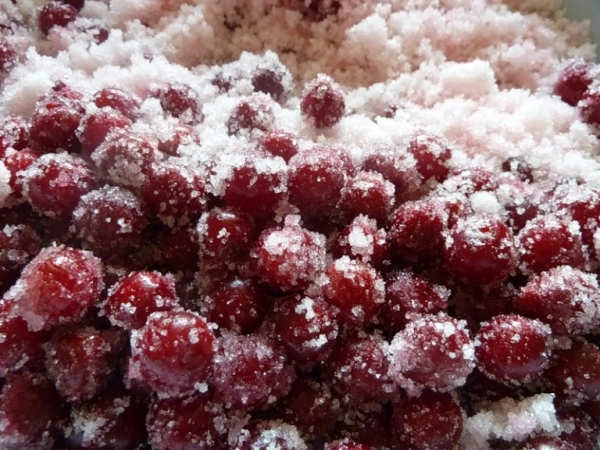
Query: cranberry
[[269, 82], [124, 102], [79, 361], [369, 426], [8, 56], [368, 193], [565, 298], [397, 166], [432, 421], [237, 304], [174, 192], [323, 103], [173, 353], [278, 143], [250, 372], [18, 245], [573, 80], [361, 239], [137, 295], [580, 431], [55, 183], [581, 203], [180, 135], [290, 257], [176, 423], [267, 435], [17, 162], [31, 413], [408, 295], [513, 349], [345, 444], [589, 106], [480, 250], [57, 287], [180, 100], [95, 127], [432, 154], [252, 113], [316, 179], [55, 120], [14, 131], [547, 241], [307, 328], [433, 351], [110, 219], [355, 288], [56, 14], [520, 202]]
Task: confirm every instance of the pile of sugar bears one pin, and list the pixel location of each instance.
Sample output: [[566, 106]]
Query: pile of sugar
[[477, 72]]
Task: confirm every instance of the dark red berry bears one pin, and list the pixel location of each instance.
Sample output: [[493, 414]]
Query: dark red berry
[[181, 101], [124, 102], [362, 240], [8, 56], [14, 131], [17, 162], [181, 135], [573, 80], [56, 14], [397, 166], [269, 82], [323, 103], [278, 143], [369, 194], [95, 127], [252, 113], [432, 154], [589, 105]]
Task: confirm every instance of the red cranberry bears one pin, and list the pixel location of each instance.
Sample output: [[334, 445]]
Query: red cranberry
[[137, 295], [278, 143], [17, 162], [573, 80], [565, 298], [480, 250], [433, 351], [180, 100], [589, 106], [56, 14], [289, 258], [432, 421], [369, 426], [180, 135], [266, 435], [580, 431], [307, 328], [18, 244], [432, 154], [581, 203], [316, 179], [269, 82], [124, 102], [513, 349], [31, 413], [173, 353], [363, 240], [176, 423], [57, 287], [368, 193], [323, 103], [79, 361], [108, 220], [477, 304], [407, 296], [346, 444], [14, 130], [355, 288], [397, 166], [55, 183], [250, 372], [8, 56], [95, 127], [252, 113]]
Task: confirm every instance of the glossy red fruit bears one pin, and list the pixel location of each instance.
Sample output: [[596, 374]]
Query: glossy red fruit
[[17, 162], [433, 351], [137, 295], [56, 14], [397, 166], [124, 102], [513, 349], [278, 143], [252, 113], [432, 421], [181, 135], [96, 126], [173, 353], [369, 194], [323, 104], [57, 287], [432, 153], [572, 81]]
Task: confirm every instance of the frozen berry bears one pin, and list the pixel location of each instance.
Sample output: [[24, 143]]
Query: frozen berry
[[181, 135], [96, 126], [369, 194], [252, 113], [432, 154], [278, 143], [14, 131], [361, 239], [270, 435], [181, 101], [269, 82], [56, 14], [589, 105], [124, 102], [323, 103], [397, 166], [17, 162]]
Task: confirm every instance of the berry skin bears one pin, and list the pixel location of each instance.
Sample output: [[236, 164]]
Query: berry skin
[[14, 130], [323, 103], [589, 106], [96, 126], [432, 155], [124, 102], [180, 100], [369, 194], [573, 81], [56, 14], [252, 113], [278, 143]]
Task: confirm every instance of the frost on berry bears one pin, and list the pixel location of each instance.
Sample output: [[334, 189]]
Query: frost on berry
[[119, 100], [323, 103], [432, 154], [363, 240], [270, 434], [369, 194], [252, 113], [56, 14]]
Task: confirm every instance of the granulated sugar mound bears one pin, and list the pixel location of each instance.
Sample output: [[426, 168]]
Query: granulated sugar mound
[[298, 224]]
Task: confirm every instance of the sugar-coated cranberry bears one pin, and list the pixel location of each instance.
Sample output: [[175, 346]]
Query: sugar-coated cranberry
[[278, 143], [290, 257], [17, 162], [544, 443], [433, 351], [236, 304], [416, 230], [547, 241], [18, 245], [358, 369], [307, 328], [572, 81], [14, 130], [369, 426], [477, 304], [55, 120], [79, 361], [173, 353], [124, 157], [432, 421], [589, 105], [31, 413], [432, 154], [565, 298], [124, 102], [257, 185], [56, 14], [55, 183], [57, 287], [270, 82], [574, 373], [96, 126], [267, 435], [137, 295], [368, 193], [397, 166], [180, 135], [355, 288], [480, 250], [362, 239], [579, 429], [323, 103], [471, 180], [316, 179], [181, 101], [513, 349], [250, 372], [581, 203], [8, 56], [252, 113], [185, 423], [174, 192], [110, 219], [408, 295], [518, 167], [346, 444]]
